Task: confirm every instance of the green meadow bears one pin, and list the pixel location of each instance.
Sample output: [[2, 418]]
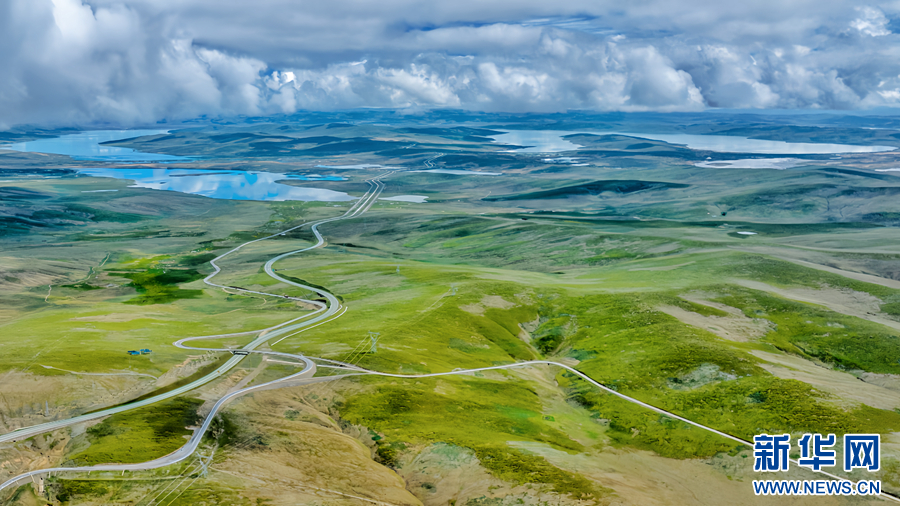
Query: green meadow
[[627, 269]]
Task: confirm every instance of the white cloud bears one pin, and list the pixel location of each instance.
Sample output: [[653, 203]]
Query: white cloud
[[140, 61], [654, 84], [871, 22]]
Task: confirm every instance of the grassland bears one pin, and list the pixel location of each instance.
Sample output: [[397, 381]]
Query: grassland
[[573, 264], [139, 435], [619, 338]]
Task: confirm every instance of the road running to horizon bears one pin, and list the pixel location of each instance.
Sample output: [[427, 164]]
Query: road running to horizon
[[323, 313], [326, 313]]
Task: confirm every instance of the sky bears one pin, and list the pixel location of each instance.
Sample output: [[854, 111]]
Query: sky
[[138, 62]]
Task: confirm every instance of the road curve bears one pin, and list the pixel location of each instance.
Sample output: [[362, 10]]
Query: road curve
[[305, 376], [882, 495], [324, 312], [185, 451], [291, 380]]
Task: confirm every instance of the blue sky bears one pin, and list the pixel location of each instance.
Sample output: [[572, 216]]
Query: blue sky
[[139, 61]]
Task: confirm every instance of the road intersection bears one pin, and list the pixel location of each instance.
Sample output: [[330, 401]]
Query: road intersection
[[308, 320], [324, 314]]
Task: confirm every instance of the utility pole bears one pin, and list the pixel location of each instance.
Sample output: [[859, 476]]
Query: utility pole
[[374, 337], [204, 462]]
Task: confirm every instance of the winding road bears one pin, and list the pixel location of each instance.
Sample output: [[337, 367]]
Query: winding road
[[320, 315], [324, 314]]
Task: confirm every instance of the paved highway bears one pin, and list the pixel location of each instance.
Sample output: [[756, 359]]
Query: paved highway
[[305, 375], [587, 378], [185, 451], [323, 313]]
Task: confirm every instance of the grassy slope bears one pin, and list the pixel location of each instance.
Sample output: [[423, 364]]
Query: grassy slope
[[139, 435], [572, 274], [621, 340]]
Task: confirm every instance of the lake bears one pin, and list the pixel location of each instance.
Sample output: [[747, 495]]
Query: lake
[[357, 166], [459, 172], [87, 146], [225, 184], [416, 199], [753, 163], [551, 141]]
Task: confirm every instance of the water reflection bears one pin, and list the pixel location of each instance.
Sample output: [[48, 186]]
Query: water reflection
[[730, 144], [416, 199], [459, 172], [538, 141], [229, 185], [87, 146], [551, 141], [753, 163]]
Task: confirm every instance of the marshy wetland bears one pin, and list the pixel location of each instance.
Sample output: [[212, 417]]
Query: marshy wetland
[[746, 301]]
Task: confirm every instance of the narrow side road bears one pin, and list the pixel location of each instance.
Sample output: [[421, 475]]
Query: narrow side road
[[323, 313], [305, 377]]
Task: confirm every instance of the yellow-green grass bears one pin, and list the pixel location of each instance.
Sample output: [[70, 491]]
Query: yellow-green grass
[[139, 435], [586, 283], [620, 339], [481, 414], [80, 337]]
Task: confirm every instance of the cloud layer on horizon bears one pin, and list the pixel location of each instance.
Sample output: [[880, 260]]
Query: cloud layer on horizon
[[130, 62]]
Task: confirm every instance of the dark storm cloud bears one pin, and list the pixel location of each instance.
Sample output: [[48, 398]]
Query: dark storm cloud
[[139, 61]]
